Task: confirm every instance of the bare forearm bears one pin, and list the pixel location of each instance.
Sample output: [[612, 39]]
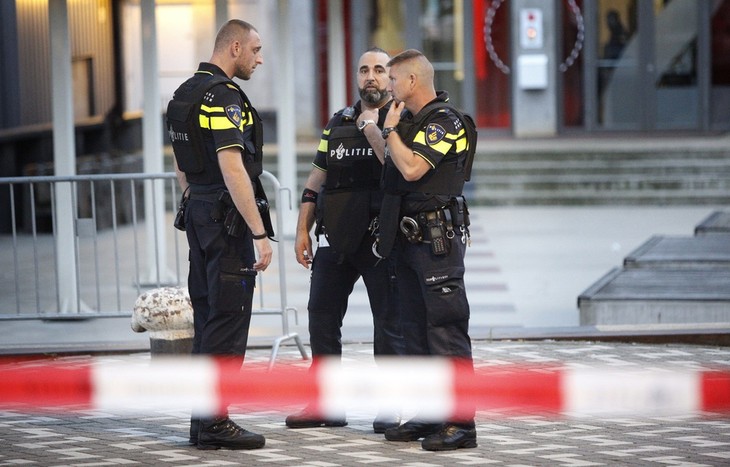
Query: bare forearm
[[408, 163], [307, 210], [241, 189], [182, 180]]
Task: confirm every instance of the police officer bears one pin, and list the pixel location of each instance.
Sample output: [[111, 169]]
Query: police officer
[[220, 174], [343, 194], [428, 158]]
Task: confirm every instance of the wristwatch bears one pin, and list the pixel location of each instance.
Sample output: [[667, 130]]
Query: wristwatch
[[388, 130], [361, 126]]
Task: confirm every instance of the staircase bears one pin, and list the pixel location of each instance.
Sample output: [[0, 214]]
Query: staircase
[[585, 174], [667, 280], [585, 171]]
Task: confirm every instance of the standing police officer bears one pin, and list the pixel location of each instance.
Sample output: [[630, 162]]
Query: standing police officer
[[217, 140], [343, 194], [428, 158]]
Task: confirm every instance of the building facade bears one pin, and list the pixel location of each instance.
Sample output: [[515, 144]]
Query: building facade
[[576, 66], [614, 65]]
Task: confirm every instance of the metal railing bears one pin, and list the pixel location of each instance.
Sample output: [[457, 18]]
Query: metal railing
[[87, 274], [114, 252]]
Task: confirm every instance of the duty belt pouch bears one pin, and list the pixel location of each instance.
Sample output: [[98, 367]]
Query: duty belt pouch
[[459, 211]]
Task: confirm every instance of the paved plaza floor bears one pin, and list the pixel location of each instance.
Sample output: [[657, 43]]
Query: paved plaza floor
[[525, 269], [150, 437]]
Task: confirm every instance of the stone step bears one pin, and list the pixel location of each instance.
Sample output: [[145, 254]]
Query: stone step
[[657, 296], [717, 223], [667, 280], [705, 252], [524, 173]]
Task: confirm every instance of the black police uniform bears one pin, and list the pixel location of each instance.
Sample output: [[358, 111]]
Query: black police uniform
[[348, 202], [221, 279], [431, 291]]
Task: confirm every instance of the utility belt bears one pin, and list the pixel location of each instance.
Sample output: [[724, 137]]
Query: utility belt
[[224, 210], [438, 225]]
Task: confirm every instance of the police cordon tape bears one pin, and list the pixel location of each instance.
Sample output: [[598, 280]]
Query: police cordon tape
[[432, 387]]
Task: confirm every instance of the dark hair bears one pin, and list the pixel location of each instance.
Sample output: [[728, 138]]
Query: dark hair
[[231, 31], [377, 50], [405, 56]]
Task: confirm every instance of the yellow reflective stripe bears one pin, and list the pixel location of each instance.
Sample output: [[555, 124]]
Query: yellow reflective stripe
[[322, 145], [223, 123], [204, 121], [442, 146], [323, 142], [461, 144], [210, 110], [420, 137]]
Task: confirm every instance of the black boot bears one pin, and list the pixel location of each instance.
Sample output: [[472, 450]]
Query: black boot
[[411, 430], [224, 433], [310, 418], [451, 436], [194, 428], [385, 420]]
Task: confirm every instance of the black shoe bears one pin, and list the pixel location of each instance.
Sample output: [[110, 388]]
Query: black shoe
[[451, 437], [194, 428], [308, 418], [411, 431], [386, 420], [224, 433]]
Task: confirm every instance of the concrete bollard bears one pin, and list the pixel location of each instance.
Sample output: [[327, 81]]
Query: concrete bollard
[[167, 314]]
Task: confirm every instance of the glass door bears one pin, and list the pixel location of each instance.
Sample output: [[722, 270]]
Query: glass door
[[442, 39], [646, 66], [618, 70], [675, 83]]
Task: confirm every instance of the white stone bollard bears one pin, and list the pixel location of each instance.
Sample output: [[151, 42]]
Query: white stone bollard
[[167, 313]]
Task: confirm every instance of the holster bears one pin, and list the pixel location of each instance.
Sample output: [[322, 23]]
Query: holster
[[179, 222], [262, 202]]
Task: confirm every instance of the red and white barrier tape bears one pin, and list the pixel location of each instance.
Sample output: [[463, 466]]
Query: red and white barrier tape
[[434, 387]]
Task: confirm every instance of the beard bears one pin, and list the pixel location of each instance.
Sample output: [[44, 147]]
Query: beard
[[373, 97]]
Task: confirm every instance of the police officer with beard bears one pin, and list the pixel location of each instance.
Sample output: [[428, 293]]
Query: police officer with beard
[[343, 194], [216, 135]]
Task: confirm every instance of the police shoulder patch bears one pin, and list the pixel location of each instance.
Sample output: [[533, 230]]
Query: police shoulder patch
[[233, 112], [434, 133]]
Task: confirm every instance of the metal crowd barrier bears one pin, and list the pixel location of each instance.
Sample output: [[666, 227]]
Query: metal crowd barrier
[[114, 251]]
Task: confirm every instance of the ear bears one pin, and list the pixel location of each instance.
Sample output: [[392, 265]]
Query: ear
[[235, 48]]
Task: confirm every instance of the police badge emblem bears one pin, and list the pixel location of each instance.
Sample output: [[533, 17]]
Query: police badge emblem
[[233, 112], [434, 133]]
